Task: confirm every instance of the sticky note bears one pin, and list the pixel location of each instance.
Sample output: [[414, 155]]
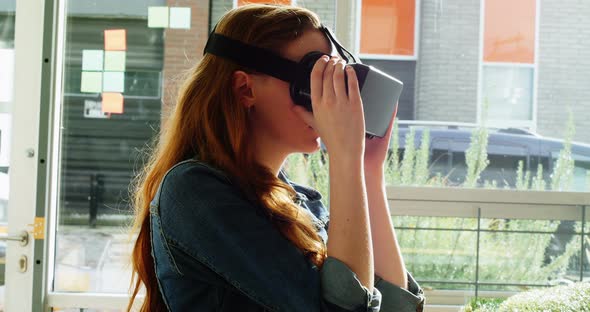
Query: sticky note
[[114, 60], [92, 60], [158, 17], [180, 18], [113, 82], [93, 109], [115, 39], [112, 103], [91, 82]]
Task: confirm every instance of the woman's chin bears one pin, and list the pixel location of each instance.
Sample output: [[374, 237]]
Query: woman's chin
[[316, 146]]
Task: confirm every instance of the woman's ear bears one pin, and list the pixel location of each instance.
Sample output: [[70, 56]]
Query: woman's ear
[[242, 87]]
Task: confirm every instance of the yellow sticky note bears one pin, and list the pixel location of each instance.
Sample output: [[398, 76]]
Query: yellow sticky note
[[112, 103], [158, 17], [91, 82], [114, 60]]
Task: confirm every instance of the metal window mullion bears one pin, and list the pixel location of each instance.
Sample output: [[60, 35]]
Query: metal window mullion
[[582, 243], [477, 251]]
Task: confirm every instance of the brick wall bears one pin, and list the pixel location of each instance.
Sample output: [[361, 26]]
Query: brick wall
[[448, 60], [326, 9], [218, 8], [183, 48], [564, 68]]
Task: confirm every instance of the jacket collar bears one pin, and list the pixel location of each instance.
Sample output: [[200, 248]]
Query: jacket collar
[[303, 192]]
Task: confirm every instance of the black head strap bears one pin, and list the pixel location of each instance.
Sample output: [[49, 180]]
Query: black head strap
[[337, 44], [259, 59], [264, 60]]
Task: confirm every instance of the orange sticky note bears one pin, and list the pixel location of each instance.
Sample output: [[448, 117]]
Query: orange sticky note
[[112, 103], [115, 39]]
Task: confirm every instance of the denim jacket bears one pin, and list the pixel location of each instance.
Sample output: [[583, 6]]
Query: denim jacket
[[214, 250]]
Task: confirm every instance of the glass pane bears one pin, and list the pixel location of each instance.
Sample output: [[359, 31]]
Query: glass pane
[[387, 27], [508, 92], [528, 253], [7, 18], [114, 70], [510, 33], [522, 105], [439, 252]]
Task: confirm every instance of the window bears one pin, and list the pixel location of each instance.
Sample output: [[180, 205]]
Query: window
[[388, 29], [509, 63], [439, 236]]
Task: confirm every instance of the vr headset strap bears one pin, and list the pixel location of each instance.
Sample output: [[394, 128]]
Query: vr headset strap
[[338, 46], [264, 60], [259, 59]]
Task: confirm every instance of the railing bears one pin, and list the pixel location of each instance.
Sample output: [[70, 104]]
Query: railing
[[479, 204], [482, 204]]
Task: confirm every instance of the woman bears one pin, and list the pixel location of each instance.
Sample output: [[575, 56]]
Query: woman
[[221, 228]]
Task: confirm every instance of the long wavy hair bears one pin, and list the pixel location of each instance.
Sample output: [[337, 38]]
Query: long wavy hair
[[209, 122]]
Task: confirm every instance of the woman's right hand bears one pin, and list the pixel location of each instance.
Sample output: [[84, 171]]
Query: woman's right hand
[[337, 116]]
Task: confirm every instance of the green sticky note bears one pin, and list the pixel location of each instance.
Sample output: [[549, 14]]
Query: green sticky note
[[91, 82], [114, 60], [92, 60], [157, 17]]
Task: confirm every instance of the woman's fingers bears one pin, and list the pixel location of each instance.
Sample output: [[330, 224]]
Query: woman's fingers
[[354, 94], [339, 85], [317, 77], [328, 88]]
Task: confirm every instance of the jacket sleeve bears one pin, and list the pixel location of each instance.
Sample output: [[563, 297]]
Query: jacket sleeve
[[343, 291]]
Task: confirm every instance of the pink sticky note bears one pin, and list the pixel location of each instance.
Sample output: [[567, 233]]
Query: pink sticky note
[[115, 39], [112, 103]]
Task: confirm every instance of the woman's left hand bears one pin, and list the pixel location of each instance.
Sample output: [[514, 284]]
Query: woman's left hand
[[376, 149]]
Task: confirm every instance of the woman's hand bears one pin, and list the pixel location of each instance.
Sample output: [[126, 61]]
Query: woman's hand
[[337, 117], [376, 150]]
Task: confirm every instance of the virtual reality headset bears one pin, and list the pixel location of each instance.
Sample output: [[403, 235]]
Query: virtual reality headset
[[379, 91]]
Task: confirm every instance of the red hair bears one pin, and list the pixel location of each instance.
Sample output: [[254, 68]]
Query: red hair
[[208, 122]]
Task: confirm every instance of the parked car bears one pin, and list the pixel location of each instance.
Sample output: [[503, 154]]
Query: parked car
[[506, 147]]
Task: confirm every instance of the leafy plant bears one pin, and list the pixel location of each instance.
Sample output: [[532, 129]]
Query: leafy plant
[[483, 305], [476, 156], [421, 172], [392, 165], [538, 181], [565, 298], [407, 167], [563, 171], [522, 183]]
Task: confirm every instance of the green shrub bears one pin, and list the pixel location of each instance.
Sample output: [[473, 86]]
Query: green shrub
[[409, 160], [483, 305], [563, 172], [570, 298]]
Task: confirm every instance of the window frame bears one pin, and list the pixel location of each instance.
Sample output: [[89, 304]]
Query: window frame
[[529, 124], [406, 200], [389, 57]]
